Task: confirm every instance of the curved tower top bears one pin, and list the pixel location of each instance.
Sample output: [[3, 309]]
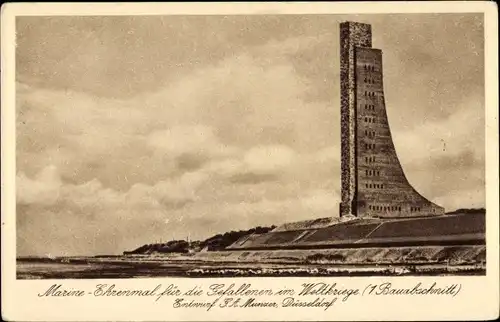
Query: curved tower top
[[373, 181]]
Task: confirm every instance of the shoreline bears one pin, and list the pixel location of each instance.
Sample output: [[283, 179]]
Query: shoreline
[[154, 266]]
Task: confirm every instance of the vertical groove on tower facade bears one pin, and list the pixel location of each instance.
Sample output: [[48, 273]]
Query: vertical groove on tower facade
[[373, 181]]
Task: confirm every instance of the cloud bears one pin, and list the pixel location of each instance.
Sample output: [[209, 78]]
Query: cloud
[[328, 154], [449, 137], [321, 201], [44, 189], [92, 219], [169, 194], [238, 103], [98, 214], [258, 164], [253, 178], [179, 140], [443, 157], [269, 159], [456, 198], [190, 146]]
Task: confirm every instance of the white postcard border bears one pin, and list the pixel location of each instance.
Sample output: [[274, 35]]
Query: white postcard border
[[478, 298]]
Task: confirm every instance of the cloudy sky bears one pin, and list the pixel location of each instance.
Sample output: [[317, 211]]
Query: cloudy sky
[[135, 129]]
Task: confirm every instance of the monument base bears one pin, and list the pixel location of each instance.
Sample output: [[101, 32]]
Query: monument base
[[451, 229]]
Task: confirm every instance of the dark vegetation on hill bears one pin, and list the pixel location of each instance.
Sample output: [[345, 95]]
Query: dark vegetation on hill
[[214, 243], [467, 211], [173, 246]]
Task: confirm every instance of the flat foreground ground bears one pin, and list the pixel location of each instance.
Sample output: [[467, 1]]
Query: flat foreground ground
[[124, 267]]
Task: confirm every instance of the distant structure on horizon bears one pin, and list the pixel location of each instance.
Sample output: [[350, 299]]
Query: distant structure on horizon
[[372, 180]]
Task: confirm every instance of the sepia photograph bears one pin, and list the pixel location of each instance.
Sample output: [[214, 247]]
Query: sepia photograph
[[249, 161], [250, 145]]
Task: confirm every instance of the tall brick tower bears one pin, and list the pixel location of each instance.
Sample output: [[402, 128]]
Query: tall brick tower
[[373, 181]]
